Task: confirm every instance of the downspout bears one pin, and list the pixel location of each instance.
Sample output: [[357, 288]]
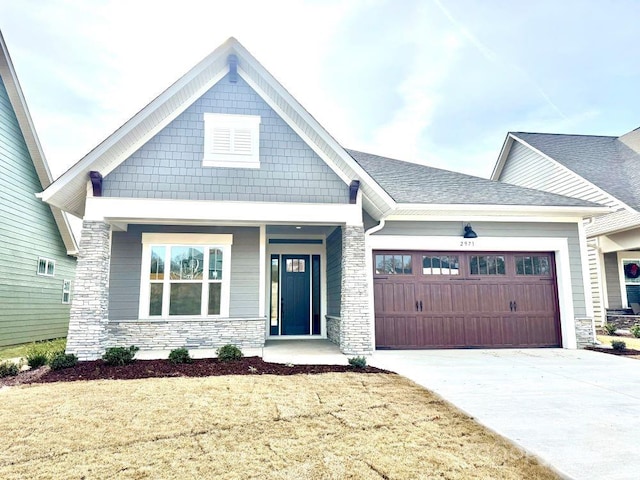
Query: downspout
[[375, 228], [369, 267]]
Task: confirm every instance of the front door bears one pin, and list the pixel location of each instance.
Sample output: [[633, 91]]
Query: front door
[[295, 298]]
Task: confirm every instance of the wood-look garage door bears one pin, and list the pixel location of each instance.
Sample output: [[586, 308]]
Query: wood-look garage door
[[465, 299]]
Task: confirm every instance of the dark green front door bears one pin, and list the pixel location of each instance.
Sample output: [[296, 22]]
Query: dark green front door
[[295, 297]]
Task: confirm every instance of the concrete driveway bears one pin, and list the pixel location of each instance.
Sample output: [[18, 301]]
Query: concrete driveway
[[579, 411]]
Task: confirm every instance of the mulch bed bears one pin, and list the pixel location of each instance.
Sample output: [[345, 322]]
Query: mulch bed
[[98, 370], [623, 353]]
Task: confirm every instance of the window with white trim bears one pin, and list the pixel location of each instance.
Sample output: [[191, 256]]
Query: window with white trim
[[46, 267], [185, 275], [66, 291], [231, 141]]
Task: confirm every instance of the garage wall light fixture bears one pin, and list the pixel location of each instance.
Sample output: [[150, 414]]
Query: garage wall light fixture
[[468, 232]]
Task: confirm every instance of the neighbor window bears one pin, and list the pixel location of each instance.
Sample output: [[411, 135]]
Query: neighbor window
[[231, 141], [46, 267], [66, 291], [185, 275]]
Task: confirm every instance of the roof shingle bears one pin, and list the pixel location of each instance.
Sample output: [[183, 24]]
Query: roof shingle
[[409, 182]]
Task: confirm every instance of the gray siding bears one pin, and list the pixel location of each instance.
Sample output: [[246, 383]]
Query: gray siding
[[32, 307], [170, 164], [126, 258], [334, 272], [526, 168], [613, 280], [505, 229]]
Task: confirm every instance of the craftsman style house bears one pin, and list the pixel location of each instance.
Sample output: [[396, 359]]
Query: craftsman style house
[[36, 242], [598, 169], [224, 213]]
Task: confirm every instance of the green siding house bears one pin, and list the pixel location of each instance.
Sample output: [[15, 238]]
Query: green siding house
[[37, 247]]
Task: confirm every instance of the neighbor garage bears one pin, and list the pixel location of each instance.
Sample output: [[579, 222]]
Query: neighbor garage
[[465, 299]]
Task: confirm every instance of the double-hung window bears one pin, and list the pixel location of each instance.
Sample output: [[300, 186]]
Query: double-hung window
[[185, 275]]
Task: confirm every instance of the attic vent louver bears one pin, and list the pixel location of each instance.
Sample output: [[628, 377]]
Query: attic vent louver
[[232, 60]]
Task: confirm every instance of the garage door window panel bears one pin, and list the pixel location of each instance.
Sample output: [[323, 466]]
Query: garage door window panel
[[487, 265], [390, 264], [538, 265], [440, 265]]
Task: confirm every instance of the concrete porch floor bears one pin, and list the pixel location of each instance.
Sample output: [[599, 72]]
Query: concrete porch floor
[[303, 352], [300, 352]]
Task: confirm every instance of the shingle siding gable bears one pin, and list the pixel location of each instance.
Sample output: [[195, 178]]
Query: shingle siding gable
[[527, 168], [32, 307], [170, 164]]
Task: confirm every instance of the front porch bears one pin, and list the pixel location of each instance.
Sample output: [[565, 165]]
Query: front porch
[[296, 352]]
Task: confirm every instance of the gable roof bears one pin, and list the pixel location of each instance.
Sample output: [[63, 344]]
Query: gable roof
[[69, 191], [16, 97], [604, 161], [415, 184]]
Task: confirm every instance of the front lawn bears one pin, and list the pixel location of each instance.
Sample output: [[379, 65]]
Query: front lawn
[[15, 351], [632, 342], [334, 425]]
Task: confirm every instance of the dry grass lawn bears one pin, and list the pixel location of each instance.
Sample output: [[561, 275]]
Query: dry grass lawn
[[632, 343], [330, 426]]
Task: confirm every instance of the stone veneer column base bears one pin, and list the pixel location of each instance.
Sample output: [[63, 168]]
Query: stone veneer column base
[[90, 297], [355, 325], [188, 333], [585, 332]]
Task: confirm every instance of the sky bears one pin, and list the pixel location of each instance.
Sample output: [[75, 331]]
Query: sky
[[438, 82]]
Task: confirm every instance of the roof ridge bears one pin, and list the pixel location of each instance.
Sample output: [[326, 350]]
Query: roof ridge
[[565, 134]]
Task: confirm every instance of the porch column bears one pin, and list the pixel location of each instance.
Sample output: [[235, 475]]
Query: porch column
[[90, 300], [355, 328]]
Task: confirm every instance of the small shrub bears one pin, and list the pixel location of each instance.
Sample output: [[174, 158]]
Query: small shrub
[[610, 328], [180, 355], [229, 353], [618, 345], [635, 331], [37, 359], [358, 362], [63, 360], [9, 369], [120, 355]]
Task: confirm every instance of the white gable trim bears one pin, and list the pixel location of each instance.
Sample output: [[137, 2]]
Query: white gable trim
[[69, 193], [506, 149]]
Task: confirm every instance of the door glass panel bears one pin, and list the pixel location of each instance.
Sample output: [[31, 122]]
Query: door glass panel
[[185, 299], [275, 275]]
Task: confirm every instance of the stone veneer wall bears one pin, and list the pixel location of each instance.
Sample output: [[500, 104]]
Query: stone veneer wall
[[355, 328], [190, 334], [333, 329], [90, 302], [585, 332], [624, 322]]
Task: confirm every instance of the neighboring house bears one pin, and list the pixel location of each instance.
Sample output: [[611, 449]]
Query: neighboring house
[[224, 213], [605, 170], [36, 269]]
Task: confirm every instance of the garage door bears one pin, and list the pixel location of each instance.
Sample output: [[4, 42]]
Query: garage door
[[465, 299]]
